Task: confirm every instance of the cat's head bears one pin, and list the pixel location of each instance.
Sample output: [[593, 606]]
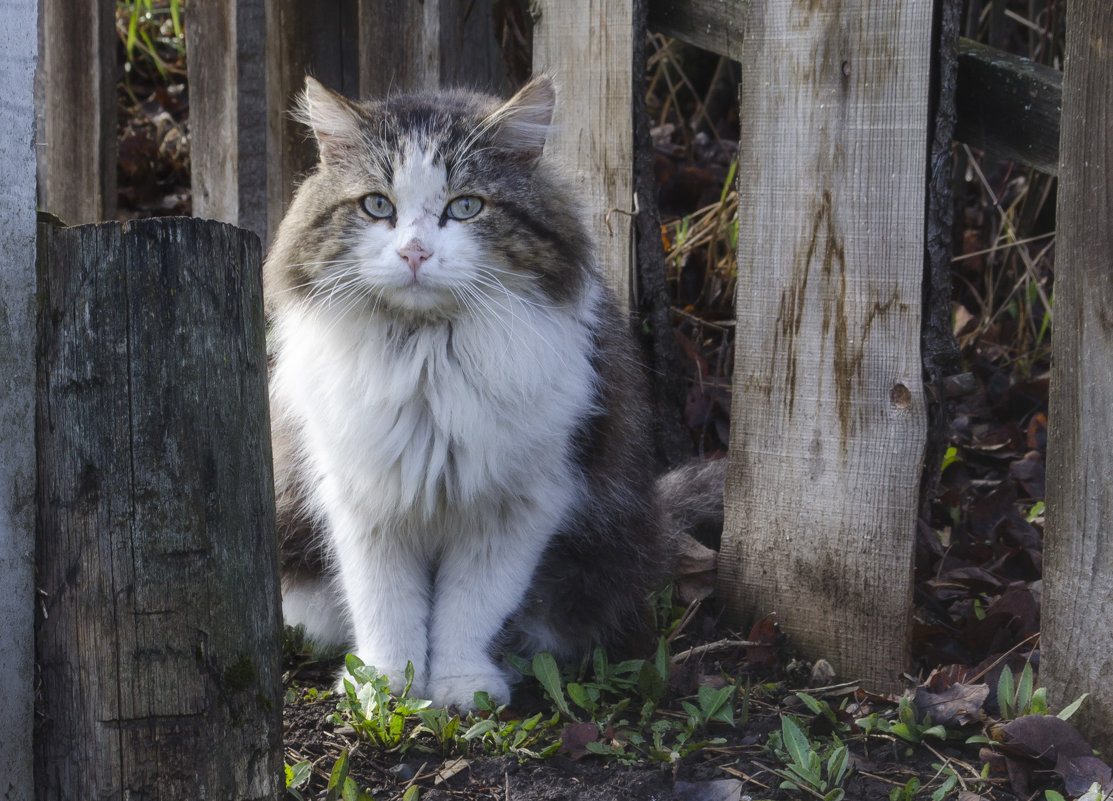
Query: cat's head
[[430, 205]]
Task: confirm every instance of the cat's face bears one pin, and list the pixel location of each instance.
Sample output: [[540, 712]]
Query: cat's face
[[431, 206]]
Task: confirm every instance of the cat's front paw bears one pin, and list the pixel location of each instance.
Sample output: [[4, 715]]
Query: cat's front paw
[[458, 691]]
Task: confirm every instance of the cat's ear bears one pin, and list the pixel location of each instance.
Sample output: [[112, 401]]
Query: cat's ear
[[333, 119], [522, 123]]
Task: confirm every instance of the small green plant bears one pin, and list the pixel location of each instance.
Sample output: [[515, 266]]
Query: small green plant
[[908, 728], [1020, 698], [823, 709], [297, 776], [822, 775], [1017, 698], [372, 711], [533, 738], [949, 783], [341, 786], [149, 24], [905, 792]]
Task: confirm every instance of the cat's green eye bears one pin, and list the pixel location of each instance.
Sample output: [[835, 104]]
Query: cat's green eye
[[377, 206], [464, 208]]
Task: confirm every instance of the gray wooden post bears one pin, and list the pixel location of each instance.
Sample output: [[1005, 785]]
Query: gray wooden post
[[590, 50], [828, 416], [1077, 628], [18, 22], [158, 638], [303, 37], [227, 98], [77, 126]]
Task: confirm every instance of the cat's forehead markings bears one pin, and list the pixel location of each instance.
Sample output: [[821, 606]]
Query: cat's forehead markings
[[420, 177]]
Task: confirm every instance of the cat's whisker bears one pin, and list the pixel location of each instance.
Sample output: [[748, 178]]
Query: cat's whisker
[[492, 273]]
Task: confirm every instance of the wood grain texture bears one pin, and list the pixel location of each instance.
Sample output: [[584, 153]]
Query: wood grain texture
[[18, 45], [587, 45], [715, 25], [227, 121], [1078, 550], [304, 37], [158, 633], [1009, 106], [1006, 104], [77, 135], [410, 46], [939, 348], [828, 420]]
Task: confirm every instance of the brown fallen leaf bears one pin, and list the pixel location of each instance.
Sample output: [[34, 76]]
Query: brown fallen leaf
[[763, 631], [958, 705], [575, 737], [1043, 737], [1080, 772], [693, 570]]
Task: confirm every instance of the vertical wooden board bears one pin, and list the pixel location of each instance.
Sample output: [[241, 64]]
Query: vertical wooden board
[[587, 45], [77, 135], [1078, 553], [18, 21], [228, 113], [828, 418], [303, 38], [408, 47], [159, 634]]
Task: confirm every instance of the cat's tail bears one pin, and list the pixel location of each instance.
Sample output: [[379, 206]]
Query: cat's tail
[[690, 501]]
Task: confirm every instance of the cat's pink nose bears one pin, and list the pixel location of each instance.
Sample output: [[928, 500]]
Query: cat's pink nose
[[414, 252]]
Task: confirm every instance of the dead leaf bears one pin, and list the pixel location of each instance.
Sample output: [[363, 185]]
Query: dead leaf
[[450, 769], [1079, 772], [958, 705], [764, 631], [575, 737], [694, 570], [1043, 737]]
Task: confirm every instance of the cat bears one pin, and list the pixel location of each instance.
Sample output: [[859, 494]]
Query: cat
[[463, 464]]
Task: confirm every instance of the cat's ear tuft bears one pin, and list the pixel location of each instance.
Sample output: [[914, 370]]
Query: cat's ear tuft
[[333, 119], [522, 123]]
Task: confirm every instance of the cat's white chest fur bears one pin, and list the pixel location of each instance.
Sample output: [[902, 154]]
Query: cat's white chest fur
[[443, 464]]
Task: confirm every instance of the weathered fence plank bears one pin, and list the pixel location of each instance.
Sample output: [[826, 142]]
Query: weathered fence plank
[[77, 107], [157, 642], [828, 421], [303, 37], [1009, 106], [408, 46], [588, 46], [18, 45], [1006, 104], [1078, 550], [227, 99]]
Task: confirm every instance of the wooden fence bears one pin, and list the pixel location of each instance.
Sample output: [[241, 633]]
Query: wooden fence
[[843, 184]]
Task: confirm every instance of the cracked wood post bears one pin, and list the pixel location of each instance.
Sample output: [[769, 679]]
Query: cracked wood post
[[1078, 552], [158, 621], [828, 420], [18, 21]]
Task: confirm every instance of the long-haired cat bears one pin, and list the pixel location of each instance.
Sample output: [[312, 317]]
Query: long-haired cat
[[462, 462]]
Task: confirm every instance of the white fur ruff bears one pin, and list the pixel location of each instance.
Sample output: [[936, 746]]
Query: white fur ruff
[[443, 468]]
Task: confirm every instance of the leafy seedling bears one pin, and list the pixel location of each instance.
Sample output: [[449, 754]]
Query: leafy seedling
[[805, 769]]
